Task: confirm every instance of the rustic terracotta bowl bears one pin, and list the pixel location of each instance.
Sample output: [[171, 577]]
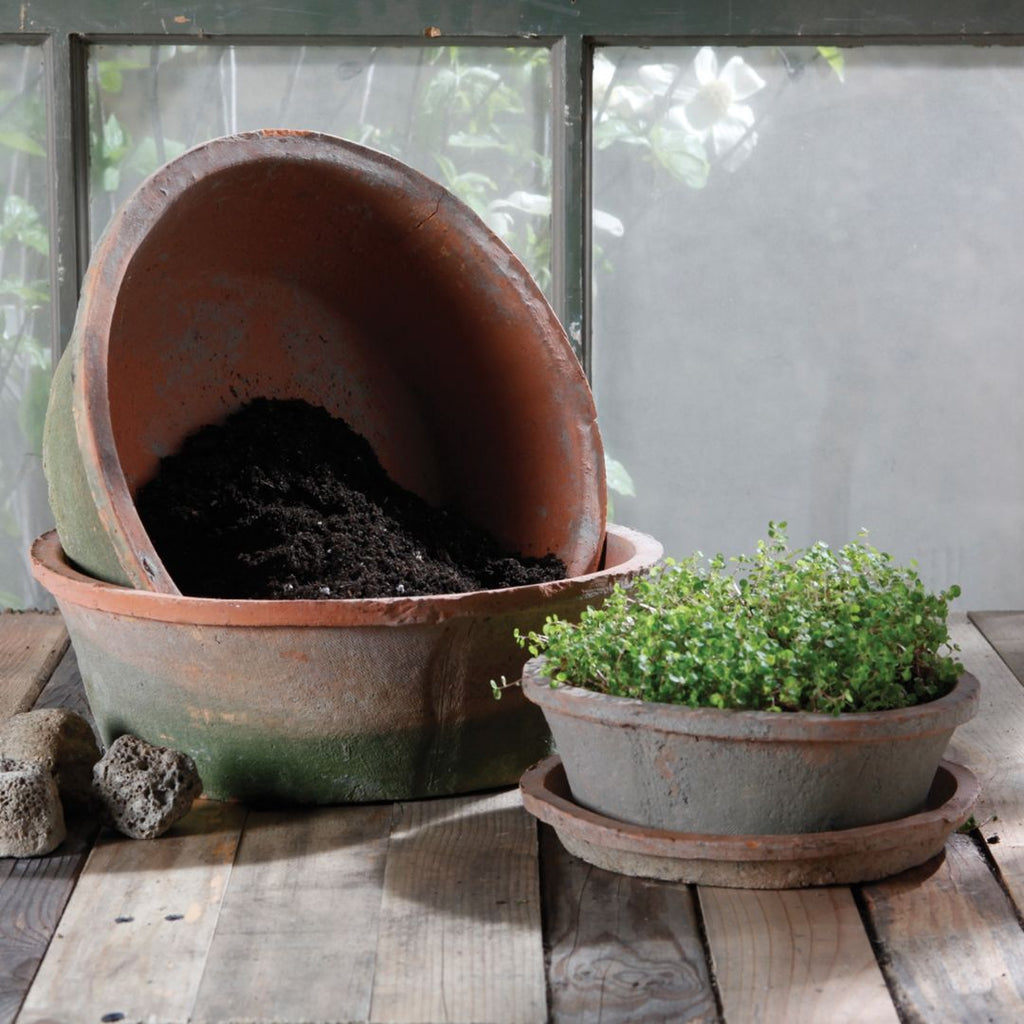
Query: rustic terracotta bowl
[[840, 857], [323, 701], [735, 772], [296, 265]]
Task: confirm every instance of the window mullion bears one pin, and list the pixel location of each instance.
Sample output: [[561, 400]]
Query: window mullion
[[570, 220], [67, 131]]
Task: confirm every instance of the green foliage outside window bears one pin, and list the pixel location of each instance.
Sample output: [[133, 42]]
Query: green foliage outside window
[[24, 330], [477, 119]]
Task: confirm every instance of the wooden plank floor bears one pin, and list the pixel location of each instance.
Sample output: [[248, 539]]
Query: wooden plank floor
[[462, 910]]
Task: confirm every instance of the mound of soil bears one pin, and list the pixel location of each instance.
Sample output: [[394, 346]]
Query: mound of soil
[[281, 500]]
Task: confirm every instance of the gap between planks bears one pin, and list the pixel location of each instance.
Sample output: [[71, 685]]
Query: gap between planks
[[460, 925], [415, 912], [296, 915], [949, 931], [992, 746], [297, 931], [950, 894], [33, 891], [134, 936], [622, 949], [950, 940], [793, 955], [33, 894], [1005, 632]]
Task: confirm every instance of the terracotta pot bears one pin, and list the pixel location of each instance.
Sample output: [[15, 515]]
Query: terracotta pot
[[296, 265], [702, 770], [844, 857], [323, 701]]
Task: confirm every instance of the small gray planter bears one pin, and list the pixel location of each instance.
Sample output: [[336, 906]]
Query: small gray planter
[[704, 770]]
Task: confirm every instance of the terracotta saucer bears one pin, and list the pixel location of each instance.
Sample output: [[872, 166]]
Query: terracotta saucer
[[752, 862]]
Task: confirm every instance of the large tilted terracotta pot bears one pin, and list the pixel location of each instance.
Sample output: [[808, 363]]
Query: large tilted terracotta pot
[[323, 701], [297, 265], [725, 772]]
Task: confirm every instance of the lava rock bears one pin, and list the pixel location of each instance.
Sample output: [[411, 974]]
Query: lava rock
[[31, 816], [62, 741], [143, 790]]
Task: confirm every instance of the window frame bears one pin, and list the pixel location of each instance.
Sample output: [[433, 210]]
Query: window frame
[[572, 29]]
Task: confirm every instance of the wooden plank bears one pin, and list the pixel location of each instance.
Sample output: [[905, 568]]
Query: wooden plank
[[134, 935], [65, 690], [31, 645], [35, 891], [992, 746], [952, 945], [33, 894], [621, 949], [1005, 632], [460, 929], [793, 955], [301, 909]]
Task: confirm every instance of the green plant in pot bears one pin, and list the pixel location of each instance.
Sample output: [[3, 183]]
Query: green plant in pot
[[789, 692]]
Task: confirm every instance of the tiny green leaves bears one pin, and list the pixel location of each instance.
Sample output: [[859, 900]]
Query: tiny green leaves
[[782, 630]]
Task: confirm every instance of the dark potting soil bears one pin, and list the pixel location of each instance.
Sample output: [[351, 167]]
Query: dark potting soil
[[281, 500]]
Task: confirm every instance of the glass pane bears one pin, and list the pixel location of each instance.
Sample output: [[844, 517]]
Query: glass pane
[[475, 119], [807, 299], [25, 359]]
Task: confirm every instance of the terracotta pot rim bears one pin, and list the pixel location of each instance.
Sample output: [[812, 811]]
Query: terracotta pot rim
[[944, 713], [545, 788], [52, 569]]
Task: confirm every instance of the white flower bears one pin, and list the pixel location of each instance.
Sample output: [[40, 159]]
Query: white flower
[[500, 223], [528, 202], [603, 73], [658, 77], [714, 107], [540, 206], [624, 100], [604, 221], [629, 99]]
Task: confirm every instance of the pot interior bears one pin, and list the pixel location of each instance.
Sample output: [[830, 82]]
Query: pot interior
[[294, 265]]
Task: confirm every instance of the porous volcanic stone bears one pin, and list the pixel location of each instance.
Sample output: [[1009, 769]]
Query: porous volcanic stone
[[144, 790], [31, 816], [62, 741]]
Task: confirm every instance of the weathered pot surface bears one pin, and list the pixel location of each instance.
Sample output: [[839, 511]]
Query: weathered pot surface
[[843, 857], [323, 701], [706, 770], [297, 265]]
